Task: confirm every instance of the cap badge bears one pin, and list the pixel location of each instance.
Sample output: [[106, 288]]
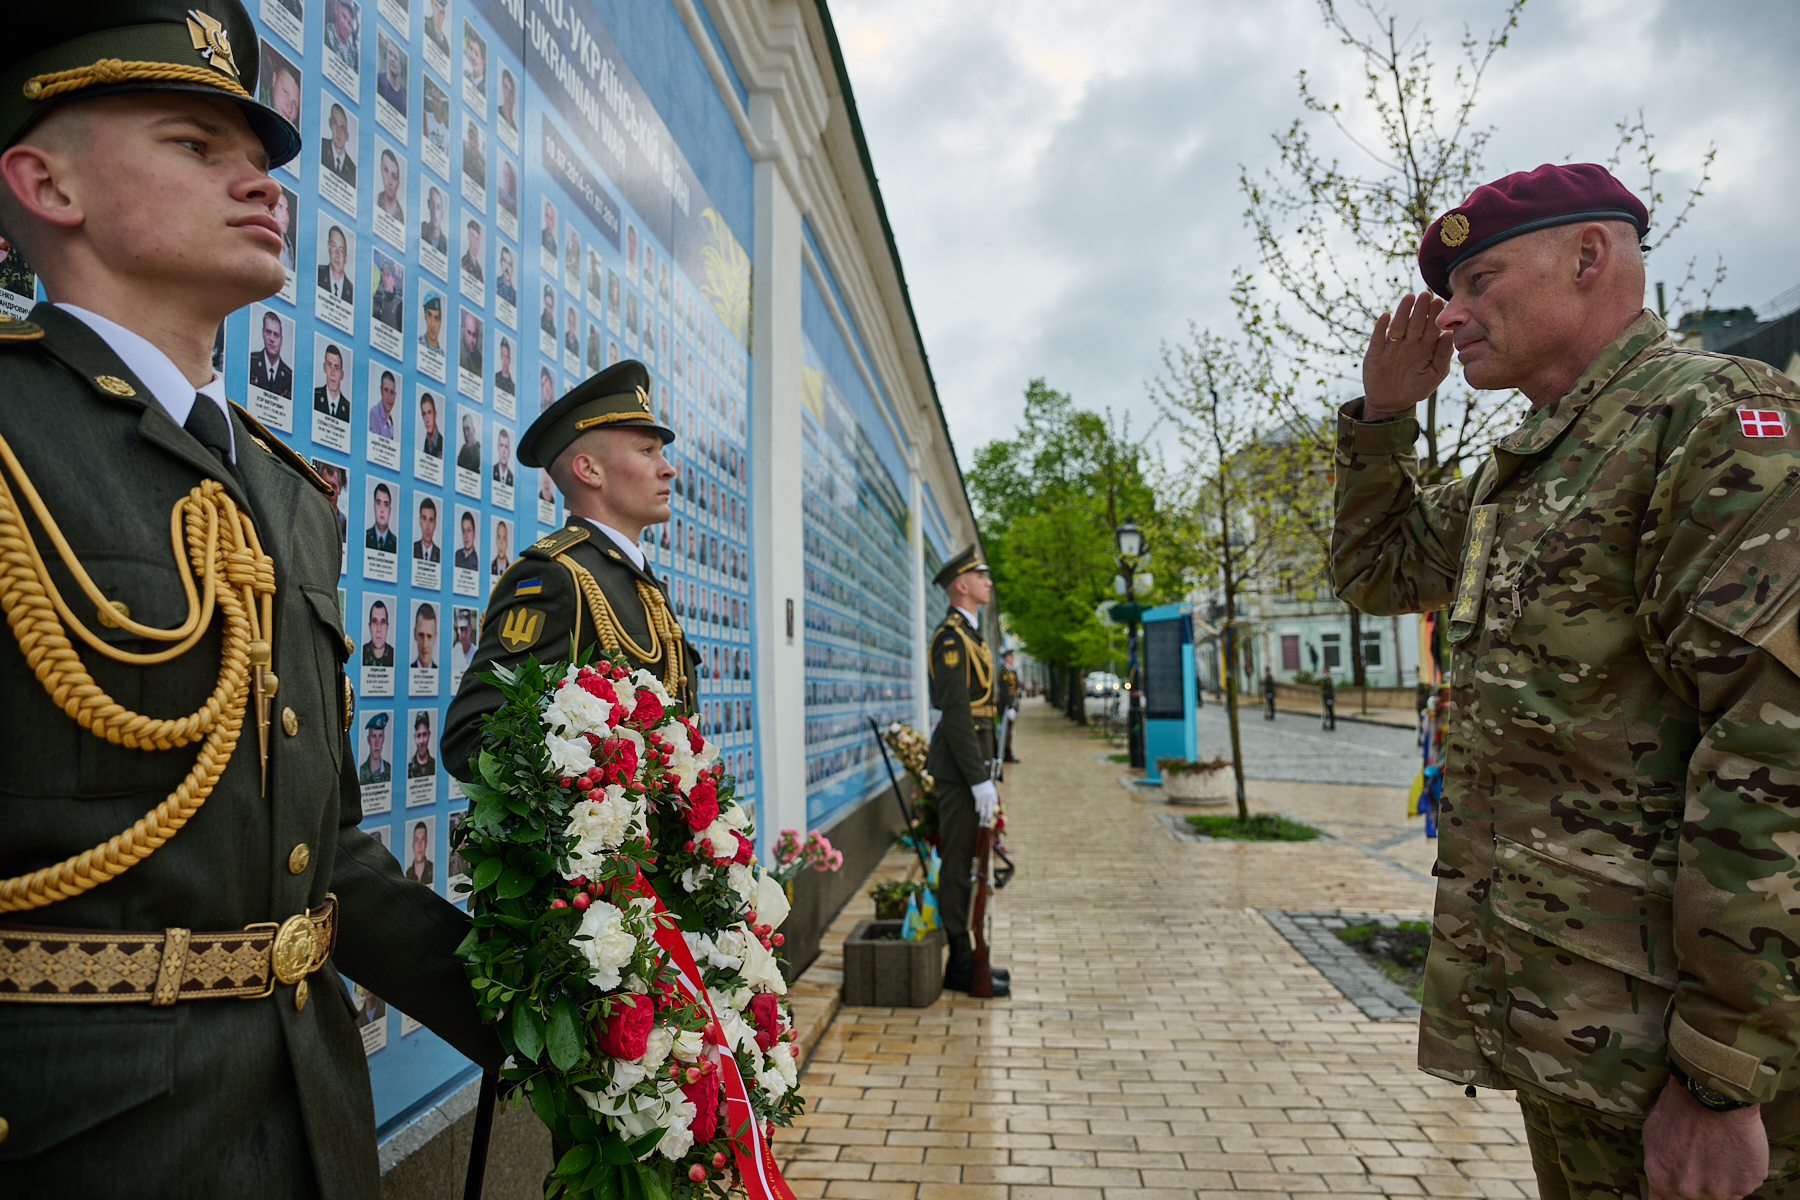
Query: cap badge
[[211, 40], [1454, 231], [643, 399]]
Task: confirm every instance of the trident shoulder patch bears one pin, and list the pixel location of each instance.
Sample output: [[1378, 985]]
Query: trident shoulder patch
[[521, 628], [1762, 422]]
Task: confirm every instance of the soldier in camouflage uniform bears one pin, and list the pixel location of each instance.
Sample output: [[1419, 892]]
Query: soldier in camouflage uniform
[[1615, 935]]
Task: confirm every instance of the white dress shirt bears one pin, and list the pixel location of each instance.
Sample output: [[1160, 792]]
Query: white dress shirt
[[168, 386], [632, 550]]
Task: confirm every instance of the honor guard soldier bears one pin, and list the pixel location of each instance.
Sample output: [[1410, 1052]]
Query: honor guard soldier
[[181, 872], [588, 586], [963, 690]]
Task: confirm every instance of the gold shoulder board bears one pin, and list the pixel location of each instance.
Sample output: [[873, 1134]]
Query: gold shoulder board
[[553, 544], [20, 331]]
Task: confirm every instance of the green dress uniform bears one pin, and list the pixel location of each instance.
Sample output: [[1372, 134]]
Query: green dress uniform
[[1618, 832], [961, 754], [218, 1096], [573, 591], [173, 916], [1009, 698]]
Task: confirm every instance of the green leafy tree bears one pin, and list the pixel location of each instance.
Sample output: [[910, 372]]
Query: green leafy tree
[[1049, 499]]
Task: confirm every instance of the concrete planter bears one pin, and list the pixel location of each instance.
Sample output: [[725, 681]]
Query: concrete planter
[[1201, 789], [885, 972]]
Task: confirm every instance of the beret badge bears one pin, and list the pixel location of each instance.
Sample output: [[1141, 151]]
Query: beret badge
[[1455, 230]]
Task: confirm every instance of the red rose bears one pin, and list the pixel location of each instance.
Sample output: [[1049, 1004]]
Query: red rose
[[745, 851], [648, 709], [704, 1092], [598, 687], [626, 1032], [696, 743], [619, 763], [703, 806], [766, 1017]]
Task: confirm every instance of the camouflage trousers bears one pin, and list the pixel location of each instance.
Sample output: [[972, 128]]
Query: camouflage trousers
[[1580, 1154]]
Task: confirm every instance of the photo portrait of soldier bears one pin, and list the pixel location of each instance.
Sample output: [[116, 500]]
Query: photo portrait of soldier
[[425, 547], [423, 763], [334, 275], [503, 472], [381, 407], [269, 368], [462, 651], [391, 199], [432, 230], [474, 152], [279, 84], [502, 547], [380, 534], [337, 153], [285, 207], [390, 84], [469, 348], [468, 455], [468, 554], [506, 289], [509, 100], [375, 767], [431, 332], [425, 636], [419, 869], [343, 27], [471, 255], [503, 374], [547, 317], [475, 77], [329, 397], [437, 25], [431, 435], [390, 292], [377, 651]]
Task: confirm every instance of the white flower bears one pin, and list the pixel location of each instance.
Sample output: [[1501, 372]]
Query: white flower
[[724, 845], [695, 878], [742, 879], [656, 1049], [728, 949], [738, 1033], [690, 1044], [761, 972], [771, 1082], [601, 827], [781, 1058], [771, 902], [570, 756], [735, 817], [678, 1119], [603, 940], [574, 710]]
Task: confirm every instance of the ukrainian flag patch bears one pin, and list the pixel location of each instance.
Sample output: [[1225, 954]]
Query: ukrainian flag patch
[[529, 587]]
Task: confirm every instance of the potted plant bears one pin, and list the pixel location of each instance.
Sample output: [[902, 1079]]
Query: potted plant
[[891, 895], [1186, 781]]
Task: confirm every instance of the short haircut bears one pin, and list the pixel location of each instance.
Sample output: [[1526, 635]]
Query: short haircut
[[427, 398], [337, 110], [426, 503], [387, 154], [425, 613], [336, 232], [388, 377], [272, 316], [381, 604], [423, 719], [331, 349], [468, 518], [381, 489]]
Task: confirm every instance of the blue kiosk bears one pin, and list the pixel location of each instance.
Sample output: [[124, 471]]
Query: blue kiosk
[[1170, 691]]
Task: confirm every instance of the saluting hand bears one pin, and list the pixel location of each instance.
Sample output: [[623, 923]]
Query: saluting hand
[[1408, 357]]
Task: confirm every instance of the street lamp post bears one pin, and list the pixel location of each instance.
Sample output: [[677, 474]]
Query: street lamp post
[[1129, 541]]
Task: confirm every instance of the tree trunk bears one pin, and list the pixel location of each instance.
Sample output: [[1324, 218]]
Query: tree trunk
[[1358, 673]]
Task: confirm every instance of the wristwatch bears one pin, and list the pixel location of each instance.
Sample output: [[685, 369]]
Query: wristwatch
[[1707, 1098]]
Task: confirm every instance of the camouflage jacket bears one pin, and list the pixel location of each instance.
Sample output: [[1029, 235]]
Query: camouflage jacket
[[1621, 810]]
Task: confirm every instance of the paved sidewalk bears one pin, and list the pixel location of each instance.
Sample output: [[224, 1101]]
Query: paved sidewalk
[[1164, 1039]]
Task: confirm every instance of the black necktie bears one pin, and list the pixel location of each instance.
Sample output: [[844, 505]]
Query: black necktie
[[206, 421]]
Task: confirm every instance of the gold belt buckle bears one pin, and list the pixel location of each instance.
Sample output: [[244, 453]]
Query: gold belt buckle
[[292, 953]]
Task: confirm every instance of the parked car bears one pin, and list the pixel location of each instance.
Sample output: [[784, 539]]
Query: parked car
[[1104, 683]]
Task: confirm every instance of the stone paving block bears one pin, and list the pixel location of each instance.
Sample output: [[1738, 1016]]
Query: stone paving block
[[1167, 1036]]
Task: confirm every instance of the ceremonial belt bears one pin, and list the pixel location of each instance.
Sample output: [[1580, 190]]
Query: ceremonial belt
[[983, 710], [101, 966]]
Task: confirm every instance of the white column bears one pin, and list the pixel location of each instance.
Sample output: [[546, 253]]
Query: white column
[[776, 501], [915, 535]]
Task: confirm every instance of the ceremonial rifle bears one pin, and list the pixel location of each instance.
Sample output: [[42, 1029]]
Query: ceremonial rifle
[[981, 978]]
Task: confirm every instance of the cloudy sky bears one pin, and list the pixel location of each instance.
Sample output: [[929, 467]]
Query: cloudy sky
[[1062, 175]]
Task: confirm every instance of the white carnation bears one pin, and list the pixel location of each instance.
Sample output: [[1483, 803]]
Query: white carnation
[[742, 879], [724, 845], [738, 1033], [781, 1058], [603, 940], [570, 756], [574, 710], [771, 902], [690, 1044], [771, 1082], [601, 827], [736, 817], [695, 878], [728, 949], [678, 1119], [657, 1049]]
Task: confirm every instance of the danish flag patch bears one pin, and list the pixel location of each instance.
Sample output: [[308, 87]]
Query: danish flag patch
[[1762, 423]]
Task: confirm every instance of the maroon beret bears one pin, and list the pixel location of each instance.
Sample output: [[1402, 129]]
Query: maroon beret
[[1521, 203]]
